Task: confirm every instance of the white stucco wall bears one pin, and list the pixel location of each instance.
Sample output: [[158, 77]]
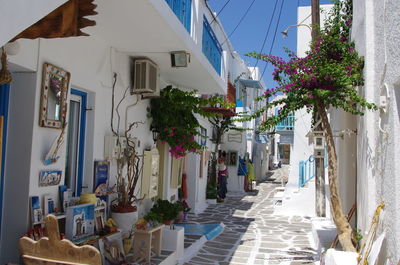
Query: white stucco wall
[[377, 36], [235, 182], [346, 150]]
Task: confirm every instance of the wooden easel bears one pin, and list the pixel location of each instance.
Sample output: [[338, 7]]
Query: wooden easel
[[53, 250], [145, 241]]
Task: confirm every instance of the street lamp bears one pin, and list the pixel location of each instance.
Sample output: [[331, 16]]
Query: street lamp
[[286, 31]]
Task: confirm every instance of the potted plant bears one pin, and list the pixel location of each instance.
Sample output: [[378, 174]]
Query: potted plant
[[129, 169], [153, 218], [211, 193], [182, 216], [167, 210]]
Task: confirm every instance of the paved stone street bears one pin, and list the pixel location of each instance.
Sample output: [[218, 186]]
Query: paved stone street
[[253, 235]]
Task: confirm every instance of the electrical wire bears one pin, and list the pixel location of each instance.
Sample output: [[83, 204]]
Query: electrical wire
[[267, 34], [240, 21], [219, 12], [273, 41]]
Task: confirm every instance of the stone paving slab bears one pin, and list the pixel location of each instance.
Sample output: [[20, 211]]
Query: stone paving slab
[[252, 234]]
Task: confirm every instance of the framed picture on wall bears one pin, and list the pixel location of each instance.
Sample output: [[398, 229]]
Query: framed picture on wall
[[53, 100], [49, 178], [232, 158]]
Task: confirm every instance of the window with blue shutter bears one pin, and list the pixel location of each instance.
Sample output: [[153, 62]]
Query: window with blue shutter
[[211, 47]]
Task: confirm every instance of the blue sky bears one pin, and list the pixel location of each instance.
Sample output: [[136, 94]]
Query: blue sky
[[250, 34]]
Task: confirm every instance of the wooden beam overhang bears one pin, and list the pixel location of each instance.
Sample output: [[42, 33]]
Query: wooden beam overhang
[[65, 21]]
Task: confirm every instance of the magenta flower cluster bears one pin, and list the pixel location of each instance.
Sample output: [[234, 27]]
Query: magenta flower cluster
[[180, 143]]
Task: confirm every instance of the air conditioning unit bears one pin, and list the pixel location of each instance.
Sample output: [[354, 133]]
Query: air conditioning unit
[[145, 76]]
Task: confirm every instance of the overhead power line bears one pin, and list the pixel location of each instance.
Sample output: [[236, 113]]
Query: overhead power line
[[273, 41], [240, 21], [219, 12], [267, 34]]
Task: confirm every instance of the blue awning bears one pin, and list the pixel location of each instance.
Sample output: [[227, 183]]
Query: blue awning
[[250, 83]]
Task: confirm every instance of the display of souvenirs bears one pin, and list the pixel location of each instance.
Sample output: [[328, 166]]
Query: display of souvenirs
[[36, 210], [49, 204], [101, 175]]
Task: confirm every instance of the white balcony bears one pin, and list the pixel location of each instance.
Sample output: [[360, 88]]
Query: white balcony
[[150, 28]]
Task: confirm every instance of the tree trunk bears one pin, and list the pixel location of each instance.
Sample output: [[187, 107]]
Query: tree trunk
[[213, 177], [343, 226]]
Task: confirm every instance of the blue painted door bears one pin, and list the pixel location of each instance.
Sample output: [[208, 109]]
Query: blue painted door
[[4, 99], [75, 158]]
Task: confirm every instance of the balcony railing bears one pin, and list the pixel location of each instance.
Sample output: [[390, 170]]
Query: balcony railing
[[306, 171], [229, 99], [211, 47], [286, 125], [183, 10]]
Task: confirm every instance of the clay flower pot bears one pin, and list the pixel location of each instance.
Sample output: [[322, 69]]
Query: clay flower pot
[[168, 222]]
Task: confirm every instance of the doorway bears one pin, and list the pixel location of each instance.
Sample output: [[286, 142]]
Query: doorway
[[76, 141], [4, 100]]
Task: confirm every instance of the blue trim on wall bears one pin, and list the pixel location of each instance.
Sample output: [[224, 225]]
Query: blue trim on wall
[[82, 130], [4, 101]]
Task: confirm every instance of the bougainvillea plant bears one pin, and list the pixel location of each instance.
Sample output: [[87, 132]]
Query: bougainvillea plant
[[173, 117], [327, 77]]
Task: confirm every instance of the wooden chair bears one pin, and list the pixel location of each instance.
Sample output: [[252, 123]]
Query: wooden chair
[[53, 250]]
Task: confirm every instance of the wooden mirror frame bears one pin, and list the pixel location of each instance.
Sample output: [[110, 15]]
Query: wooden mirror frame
[[49, 71]]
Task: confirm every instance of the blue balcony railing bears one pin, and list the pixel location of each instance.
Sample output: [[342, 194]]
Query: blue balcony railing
[[306, 171], [211, 47], [183, 10], [286, 125]]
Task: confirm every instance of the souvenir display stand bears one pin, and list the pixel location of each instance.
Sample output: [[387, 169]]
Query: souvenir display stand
[[146, 241], [53, 250]]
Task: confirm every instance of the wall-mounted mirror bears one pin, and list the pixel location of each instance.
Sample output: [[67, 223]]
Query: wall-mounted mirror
[[53, 100]]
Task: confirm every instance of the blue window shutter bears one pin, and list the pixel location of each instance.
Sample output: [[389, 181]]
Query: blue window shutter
[[176, 7], [211, 47], [183, 11], [188, 14], [169, 2]]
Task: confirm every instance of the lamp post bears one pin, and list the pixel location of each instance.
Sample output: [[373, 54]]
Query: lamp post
[[286, 31], [315, 19], [320, 201]]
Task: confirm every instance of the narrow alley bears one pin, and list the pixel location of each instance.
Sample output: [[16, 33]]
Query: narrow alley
[[252, 234]]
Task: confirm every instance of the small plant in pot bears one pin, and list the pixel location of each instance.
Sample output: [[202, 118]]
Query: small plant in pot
[[167, 210], [129, 170], [153, 219], [211, 191], [182, 216]]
